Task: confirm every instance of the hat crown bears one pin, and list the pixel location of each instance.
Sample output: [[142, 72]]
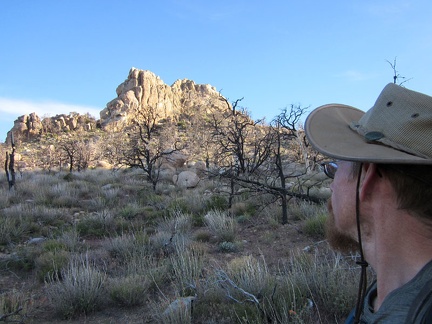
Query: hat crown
[[402, 119]]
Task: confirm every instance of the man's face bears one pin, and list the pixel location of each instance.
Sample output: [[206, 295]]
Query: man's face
[[341, 222]]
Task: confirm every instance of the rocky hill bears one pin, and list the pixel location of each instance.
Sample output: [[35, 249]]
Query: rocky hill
[[144, 88], [141, 88]]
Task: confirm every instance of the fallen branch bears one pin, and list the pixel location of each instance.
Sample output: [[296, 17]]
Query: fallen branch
[[4, 317], [250, 297]]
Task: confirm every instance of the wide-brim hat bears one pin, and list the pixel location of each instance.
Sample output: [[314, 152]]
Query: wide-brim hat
[[397, 129]]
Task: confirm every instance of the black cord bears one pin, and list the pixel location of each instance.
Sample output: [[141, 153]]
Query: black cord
[[362, 262]]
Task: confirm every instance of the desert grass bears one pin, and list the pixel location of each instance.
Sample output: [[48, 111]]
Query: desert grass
[[187, 266], [221, 225], [104, 239], [78, 289], [130, 290], [14, 306]]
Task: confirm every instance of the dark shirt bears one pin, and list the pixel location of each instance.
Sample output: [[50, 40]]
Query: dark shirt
[[396, 305]]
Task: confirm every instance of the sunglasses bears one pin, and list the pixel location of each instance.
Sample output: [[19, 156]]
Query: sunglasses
[[330, 168]]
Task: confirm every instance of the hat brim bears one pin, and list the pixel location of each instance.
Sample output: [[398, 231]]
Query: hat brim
[[327, 130]]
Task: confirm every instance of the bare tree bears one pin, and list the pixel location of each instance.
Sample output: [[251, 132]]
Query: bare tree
[[77, 150], [148, 143], [238, 139], [241, 144], [112, 147], [265, 158], [10, 164]]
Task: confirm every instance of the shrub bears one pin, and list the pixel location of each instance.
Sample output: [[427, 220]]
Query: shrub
[[53, 245], [315, 226], [180, 204], [51, 263], [12, 229], [328, 280], [126, 246], [216, 203], [227, 247], [81, 289], [252, 275], [129, 291], [303, 210], [220, 225], [202, 235], [178, 311], [99, 224], [178, 223], [154, 269], [243, 208], [130, 211], [71, 240], [50, 216]]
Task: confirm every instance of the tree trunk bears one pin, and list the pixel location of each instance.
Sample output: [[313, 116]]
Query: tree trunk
[[284, 209]]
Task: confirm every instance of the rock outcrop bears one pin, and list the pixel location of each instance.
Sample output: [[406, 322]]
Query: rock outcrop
[[28, 127], [144, 89]]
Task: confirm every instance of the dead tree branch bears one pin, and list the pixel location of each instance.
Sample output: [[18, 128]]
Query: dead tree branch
[[10, 165], [396, 75]]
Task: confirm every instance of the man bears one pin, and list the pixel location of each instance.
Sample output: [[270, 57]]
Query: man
[[381, 200]]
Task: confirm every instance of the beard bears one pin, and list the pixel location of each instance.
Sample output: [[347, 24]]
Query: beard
[[338, 240]]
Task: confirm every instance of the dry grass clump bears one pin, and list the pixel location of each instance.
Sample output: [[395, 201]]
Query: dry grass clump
[[52, 260], [304, 210], [251, 274], [130, 290], [303, 290], [126, 246], [221, 225], [330, 279], [15, 223], [98, 224], [187, 266], [178, 222], [78, 289]]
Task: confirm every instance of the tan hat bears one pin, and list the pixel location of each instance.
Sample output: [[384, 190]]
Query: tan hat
[[397, 129]]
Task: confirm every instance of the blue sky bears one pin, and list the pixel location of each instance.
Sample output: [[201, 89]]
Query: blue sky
[[62, 56]]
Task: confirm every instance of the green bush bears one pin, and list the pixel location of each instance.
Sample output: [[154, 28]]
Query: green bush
[[12, 229], [216, 203], [131, 290], [227, 247], [126, 246], [315, 226], [24, 258], [100, 224], [130, 211], [53, 245], [51, 263], [243, 208]]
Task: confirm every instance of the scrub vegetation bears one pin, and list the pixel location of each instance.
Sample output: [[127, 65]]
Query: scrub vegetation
[[103, 246]]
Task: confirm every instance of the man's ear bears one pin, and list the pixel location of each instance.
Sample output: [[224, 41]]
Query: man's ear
[[368, 180]]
